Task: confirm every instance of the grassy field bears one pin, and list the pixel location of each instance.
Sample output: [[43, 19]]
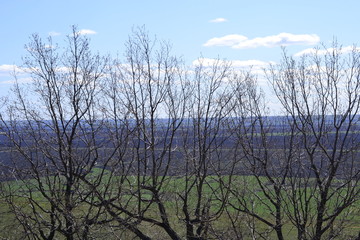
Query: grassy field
[[10, 229]]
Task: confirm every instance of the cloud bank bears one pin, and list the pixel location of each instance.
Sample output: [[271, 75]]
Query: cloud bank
[[310, 51], [237, 41]]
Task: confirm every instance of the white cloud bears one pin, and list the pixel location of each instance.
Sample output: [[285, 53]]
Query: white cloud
[[255, 67], [283, 39], [63, 69], [7, 68], [11, 73], [53, 34], [218, 20], [86, 32], [206, 62], [228, 40], [306, 52], [310, 51]]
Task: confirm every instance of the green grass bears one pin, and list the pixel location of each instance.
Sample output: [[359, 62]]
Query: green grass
[[172, 187]]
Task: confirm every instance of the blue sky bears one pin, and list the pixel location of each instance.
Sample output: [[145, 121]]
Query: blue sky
[[246, 32]]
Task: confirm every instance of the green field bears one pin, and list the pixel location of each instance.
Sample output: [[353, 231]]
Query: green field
[[10, 228]]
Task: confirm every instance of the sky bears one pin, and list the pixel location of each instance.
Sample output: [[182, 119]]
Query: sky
[[248, 33]]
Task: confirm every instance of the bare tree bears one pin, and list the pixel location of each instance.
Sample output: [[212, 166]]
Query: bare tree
[[206, 149], [302, 165], [52, 125], [147, 94], [265, 146], [320, 95], [172, 174], [108, 144]]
